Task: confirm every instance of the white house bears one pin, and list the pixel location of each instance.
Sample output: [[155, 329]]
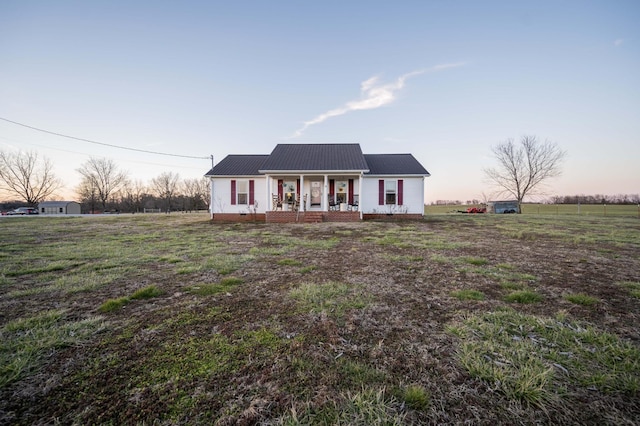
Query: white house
[[316, 182], [59, 207]]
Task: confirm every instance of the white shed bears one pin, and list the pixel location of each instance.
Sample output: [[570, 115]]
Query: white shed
[[59, 207]]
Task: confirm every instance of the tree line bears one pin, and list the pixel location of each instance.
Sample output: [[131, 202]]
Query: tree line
[[595, 199], [103, 187]]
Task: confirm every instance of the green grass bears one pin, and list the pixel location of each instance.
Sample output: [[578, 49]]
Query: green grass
[[365, 407], [532, 359], [477, 261], [356, 375], [26, 343], [468, 295], [523, 296], [146, 293], [289, 262], [633, 287], [416, 397], [331, 297], [207, 356], [581, 299], [307, 269], [112, 305]]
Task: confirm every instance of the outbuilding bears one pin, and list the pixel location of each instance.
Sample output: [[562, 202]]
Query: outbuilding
[[510, 206], [59, 207]]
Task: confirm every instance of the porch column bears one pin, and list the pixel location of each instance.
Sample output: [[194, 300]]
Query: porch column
[[325, 194], [301, 207], [211, 199], [360, 194], [268, 205]]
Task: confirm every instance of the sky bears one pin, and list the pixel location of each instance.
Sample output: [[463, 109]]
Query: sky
[[442, 80]]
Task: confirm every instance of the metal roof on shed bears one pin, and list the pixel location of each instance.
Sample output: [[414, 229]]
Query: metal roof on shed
[[56, 203]]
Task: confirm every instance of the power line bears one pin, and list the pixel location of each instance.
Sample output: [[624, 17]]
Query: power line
[[89, 155], [101, 143]]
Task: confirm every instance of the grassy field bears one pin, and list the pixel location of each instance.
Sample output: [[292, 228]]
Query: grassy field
[[556, 209], [171, 319]]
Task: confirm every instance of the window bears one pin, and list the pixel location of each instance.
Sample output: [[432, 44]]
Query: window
[[242, 192], [341, 188], [289, 188], [390, 192]]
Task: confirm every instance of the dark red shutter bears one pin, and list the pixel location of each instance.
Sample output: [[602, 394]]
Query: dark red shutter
[[251, 192], [332, 187], [351, 191], [381, 192], [233, 192], [400, 188], [298, 187], [280, 189]]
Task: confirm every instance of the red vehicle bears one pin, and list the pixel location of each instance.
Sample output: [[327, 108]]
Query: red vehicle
[[474, 210], [477, 210]]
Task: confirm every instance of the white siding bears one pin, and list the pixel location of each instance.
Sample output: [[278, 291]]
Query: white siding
[[221, 195], [412, 198], [59, 207]]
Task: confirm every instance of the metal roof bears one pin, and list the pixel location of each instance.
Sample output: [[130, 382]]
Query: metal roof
[[315, 157], [394, 164], [238, 165], [291, 158], [56, 203]]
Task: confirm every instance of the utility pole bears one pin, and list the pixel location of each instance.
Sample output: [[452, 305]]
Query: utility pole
[[212, 161]]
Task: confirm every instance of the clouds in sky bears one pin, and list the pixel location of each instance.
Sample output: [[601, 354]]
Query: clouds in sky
[[618, 42], [375, 94]]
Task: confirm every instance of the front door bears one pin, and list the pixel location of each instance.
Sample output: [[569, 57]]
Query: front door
[[315, 200]]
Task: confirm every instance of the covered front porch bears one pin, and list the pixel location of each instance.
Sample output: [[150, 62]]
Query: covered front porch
[[313, 197]]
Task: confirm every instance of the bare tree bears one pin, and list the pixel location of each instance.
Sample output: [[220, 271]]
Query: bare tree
[[88, 194], [101, 178], [27, 177], [197, 192], [132, 195], [523, 169], [166, 187]]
